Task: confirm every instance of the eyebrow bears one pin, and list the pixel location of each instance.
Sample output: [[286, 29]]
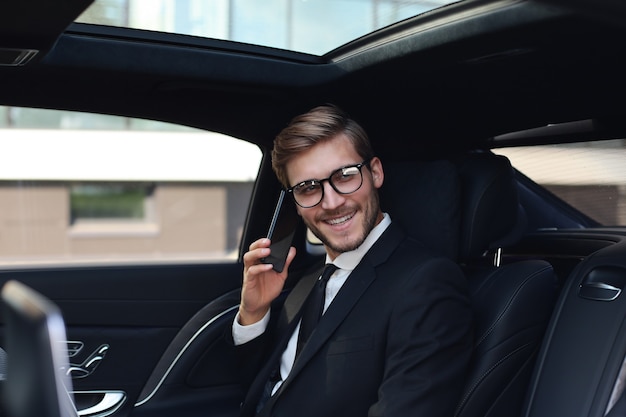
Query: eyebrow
[[329, 175]]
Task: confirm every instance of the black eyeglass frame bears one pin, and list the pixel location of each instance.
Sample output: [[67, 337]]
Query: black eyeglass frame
[[358, 166]]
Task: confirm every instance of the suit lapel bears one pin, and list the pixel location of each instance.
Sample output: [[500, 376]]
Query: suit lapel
[[357, 283]]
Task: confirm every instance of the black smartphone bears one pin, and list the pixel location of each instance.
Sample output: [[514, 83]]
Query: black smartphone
[[281, 232]]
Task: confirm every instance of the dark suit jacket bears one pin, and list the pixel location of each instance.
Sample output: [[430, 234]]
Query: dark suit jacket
[[395, 341]]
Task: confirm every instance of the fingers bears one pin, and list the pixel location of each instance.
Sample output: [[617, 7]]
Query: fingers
[[260, 243], [261, 284], [258, 250], [263, 243], [258, 269]]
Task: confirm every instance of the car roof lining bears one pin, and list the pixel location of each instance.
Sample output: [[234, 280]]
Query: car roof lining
[[459, 86], [36, 24]]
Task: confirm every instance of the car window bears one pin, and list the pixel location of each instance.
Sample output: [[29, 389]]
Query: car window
[[589, 176], [87, 188]]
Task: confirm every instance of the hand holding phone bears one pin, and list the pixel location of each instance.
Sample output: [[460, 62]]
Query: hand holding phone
[[281, 232]]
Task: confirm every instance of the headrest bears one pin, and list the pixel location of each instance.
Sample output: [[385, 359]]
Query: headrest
[[459, 208], [491, 215], [424, 198]]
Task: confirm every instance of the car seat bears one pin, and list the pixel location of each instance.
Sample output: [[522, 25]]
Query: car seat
[[467, 209], [512, 302]]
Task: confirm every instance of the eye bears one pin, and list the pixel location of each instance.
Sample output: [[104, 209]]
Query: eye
[[307, 187], [345, 174]]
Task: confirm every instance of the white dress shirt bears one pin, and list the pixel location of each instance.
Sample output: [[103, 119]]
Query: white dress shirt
[[345, 262]]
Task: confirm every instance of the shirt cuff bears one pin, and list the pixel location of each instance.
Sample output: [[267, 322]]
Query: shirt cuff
[[243, 334]]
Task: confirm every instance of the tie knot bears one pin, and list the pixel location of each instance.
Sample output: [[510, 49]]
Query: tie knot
[[328, 271]]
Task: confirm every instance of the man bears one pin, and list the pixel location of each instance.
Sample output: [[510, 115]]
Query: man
[[395, 337]]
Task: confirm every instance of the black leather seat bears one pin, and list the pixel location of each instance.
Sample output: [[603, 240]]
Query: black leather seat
[[468, 210], [512, 302]]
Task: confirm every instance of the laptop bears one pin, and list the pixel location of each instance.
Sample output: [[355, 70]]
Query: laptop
[[36, 384]]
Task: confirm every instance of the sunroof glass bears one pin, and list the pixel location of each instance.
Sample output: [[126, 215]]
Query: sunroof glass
[[309, 26]]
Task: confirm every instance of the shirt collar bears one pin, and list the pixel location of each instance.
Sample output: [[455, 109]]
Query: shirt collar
[[349, 260]]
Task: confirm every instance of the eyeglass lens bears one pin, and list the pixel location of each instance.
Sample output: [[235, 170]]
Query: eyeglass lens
[[345, 181]]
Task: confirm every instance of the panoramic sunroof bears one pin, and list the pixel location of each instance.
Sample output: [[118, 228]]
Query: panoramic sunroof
[[309, 26]]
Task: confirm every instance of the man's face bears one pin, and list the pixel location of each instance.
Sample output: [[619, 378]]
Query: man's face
[[340, 221]]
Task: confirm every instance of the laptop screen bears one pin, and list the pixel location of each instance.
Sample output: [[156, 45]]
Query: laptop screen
[[36, 382]]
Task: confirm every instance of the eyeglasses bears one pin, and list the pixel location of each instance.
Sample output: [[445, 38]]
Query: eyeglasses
[[344, 180]]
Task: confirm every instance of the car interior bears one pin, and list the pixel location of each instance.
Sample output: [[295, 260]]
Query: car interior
[[40, 384], [464, 103]]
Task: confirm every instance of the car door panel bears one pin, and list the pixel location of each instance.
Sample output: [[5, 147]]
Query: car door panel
[[132, 320]]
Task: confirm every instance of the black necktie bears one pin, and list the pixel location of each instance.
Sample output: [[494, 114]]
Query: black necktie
[[311, 313], [313, 307]]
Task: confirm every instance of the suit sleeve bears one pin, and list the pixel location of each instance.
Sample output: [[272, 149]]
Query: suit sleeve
[[250, 355], [429, 344]]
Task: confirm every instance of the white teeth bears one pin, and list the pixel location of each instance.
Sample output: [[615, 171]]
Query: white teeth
[[339, 220]]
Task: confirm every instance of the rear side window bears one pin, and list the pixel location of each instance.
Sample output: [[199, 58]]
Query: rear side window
[[589, 176], [81, 188]]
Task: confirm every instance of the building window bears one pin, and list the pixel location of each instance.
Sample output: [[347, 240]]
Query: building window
[[589, 176], [106, 202]]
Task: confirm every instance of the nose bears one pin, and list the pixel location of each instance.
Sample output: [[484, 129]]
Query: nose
[[332, 199]]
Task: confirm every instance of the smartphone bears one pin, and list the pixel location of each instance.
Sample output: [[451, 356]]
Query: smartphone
[[281, 232]]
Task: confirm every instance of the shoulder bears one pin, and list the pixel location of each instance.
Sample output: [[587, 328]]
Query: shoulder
[[415, 252], [412, 263], [402, 253]]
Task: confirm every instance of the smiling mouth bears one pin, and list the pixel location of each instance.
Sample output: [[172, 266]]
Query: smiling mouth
[[339, 220]]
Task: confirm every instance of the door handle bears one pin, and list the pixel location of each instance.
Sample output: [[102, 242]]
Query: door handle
[[603, 283], [98, 403]]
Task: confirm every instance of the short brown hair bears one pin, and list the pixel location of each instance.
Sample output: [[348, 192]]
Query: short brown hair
[[315, 126]]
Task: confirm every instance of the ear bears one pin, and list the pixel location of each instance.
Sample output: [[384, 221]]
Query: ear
[[378, 175]]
